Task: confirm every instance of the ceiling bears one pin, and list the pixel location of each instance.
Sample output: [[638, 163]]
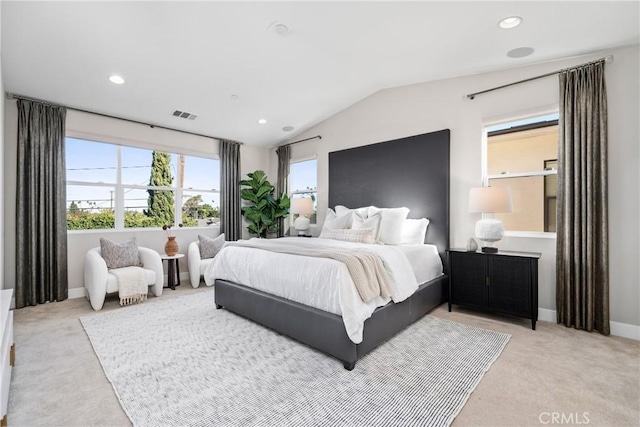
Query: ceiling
[[225, 62]]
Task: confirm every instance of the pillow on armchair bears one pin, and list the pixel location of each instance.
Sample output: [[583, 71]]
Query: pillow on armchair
[[118, 255], [209, 247]]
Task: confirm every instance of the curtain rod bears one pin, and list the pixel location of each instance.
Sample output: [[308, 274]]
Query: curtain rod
[[26, 98], [608, 58], [302, 140]]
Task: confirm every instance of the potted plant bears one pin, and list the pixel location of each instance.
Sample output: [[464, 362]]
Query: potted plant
[[264, 209]]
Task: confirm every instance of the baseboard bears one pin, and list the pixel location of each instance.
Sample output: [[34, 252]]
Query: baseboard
[[546, 315], [77, 293], [618, 329], [625, 330]]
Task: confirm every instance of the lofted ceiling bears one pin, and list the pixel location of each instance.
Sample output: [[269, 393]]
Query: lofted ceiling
[[228, 63]]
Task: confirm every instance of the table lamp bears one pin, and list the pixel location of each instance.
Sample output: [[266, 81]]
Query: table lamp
[[302, 206], [488, 201]]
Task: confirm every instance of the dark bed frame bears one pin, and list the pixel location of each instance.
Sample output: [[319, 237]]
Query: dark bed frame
[[411, 172]]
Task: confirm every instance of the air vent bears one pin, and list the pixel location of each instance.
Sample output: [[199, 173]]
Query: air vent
[[184, 115]]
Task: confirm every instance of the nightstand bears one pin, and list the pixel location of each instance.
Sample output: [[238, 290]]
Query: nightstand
[[503, 282]]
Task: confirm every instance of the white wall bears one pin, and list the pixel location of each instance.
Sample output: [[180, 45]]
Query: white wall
[[116, 131], [416, 109]]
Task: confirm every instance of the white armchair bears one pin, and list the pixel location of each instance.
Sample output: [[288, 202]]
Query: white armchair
[[196, 265], [99, 281]]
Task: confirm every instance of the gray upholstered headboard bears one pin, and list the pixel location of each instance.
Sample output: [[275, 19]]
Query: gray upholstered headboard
[[411, 172]]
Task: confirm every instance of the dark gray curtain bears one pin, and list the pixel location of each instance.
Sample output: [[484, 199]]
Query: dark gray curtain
[[282, 186], [230, 214], [582, 258], [41, 212]]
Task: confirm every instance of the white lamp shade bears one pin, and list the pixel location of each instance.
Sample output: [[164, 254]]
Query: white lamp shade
[[490, 200], [301, 206]]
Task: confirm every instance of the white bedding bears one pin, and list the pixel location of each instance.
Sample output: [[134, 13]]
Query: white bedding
[[424, 260], [324, 283]]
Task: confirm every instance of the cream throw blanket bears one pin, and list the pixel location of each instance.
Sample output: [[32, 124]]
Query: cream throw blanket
[[132, 284], [366, 268]]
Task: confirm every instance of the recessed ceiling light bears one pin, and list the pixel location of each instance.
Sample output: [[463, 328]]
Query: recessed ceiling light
[[281, 29], [510, 22], [520, 52], [234, 96], [116, 79], [287, 128], [262, 121]]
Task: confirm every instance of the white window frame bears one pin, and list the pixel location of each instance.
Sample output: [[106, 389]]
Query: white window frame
[[486, 177], [120, 188], [292, 193]]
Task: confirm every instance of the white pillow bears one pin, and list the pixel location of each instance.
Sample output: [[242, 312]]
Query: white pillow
[[364, 235], [390, 232], [414, 231], [372, 222], [343, 210], [332, 221]]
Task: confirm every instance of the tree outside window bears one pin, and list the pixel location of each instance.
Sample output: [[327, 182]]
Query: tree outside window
[[151, 190]]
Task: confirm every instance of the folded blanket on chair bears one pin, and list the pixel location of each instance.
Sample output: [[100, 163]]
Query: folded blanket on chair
[[132, 284]]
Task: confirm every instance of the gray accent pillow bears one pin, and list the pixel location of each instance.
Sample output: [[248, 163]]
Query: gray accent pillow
[[210, 247], [118, 255]]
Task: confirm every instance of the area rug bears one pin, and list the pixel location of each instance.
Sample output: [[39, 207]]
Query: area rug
[[182, 362]]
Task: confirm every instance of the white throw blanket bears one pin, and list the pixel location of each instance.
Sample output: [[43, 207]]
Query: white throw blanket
[[132, 284]]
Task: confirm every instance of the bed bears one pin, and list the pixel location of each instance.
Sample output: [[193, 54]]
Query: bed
[[411, 172]]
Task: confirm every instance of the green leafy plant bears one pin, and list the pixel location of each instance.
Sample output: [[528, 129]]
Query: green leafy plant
[[265, 210]]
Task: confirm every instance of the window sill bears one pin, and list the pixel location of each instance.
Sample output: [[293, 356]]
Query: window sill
[[138, 230], [530, 234]]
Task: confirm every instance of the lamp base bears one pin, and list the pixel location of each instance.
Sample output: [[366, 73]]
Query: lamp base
[[302, 225], [489, 250], [488, 232]]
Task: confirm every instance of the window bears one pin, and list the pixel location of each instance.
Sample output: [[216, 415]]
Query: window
[[303, 182], [112, 186], [523, 156]]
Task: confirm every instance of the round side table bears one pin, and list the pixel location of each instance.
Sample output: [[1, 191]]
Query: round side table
[[173, 269]]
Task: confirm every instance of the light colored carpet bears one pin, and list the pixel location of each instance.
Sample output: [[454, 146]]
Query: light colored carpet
[[58, 380], [211, 367]]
